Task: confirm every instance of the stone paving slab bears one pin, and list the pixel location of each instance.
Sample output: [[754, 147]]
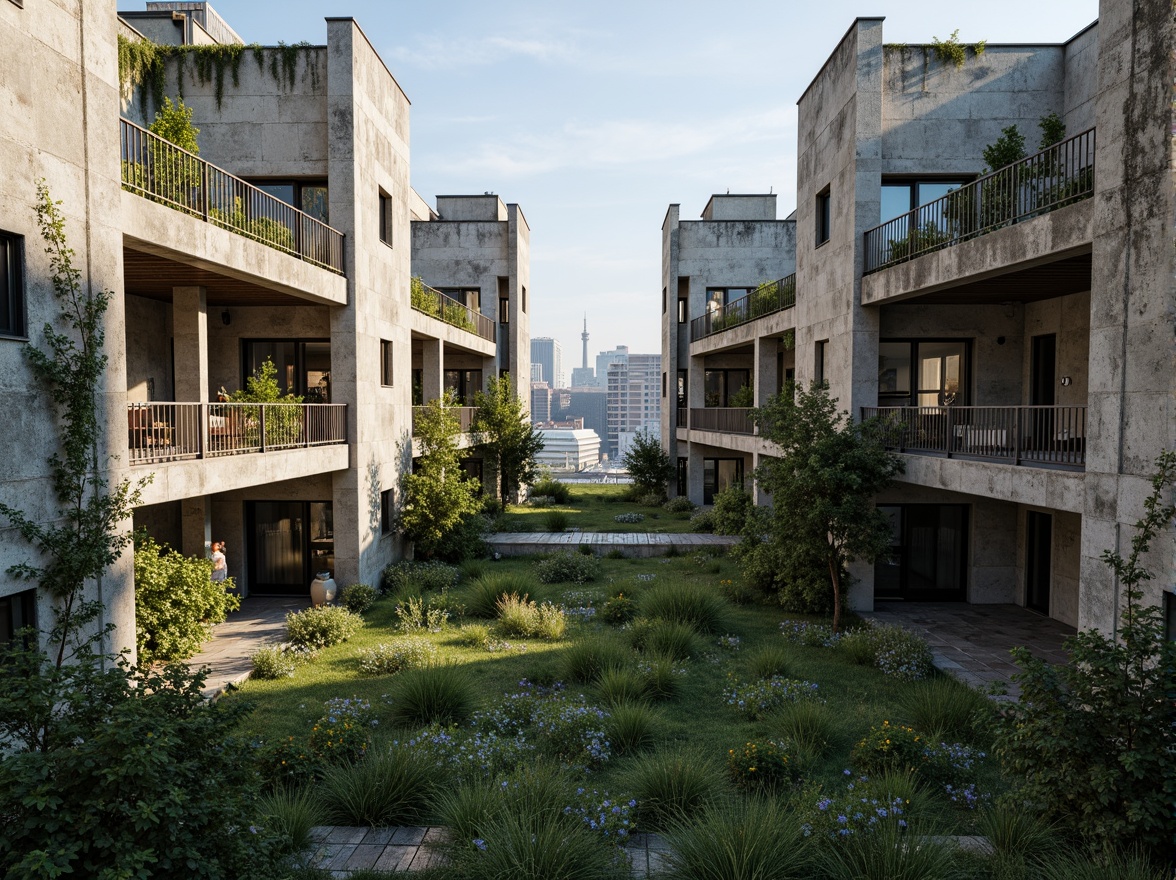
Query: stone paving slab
[[259, 621], [633, 544]]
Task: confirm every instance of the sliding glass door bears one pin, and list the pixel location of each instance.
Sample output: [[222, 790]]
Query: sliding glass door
[[289, 542], [928, 555]]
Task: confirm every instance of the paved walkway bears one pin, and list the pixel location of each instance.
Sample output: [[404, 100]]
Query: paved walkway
[[972, 642], [628, 543], [342, 850], [259, 621]]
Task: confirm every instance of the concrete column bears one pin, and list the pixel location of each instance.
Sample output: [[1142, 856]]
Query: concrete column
[[765, 378], [762, 498], [432, 369], [196, 526], [190, 331], [694, 473], [489, 370]]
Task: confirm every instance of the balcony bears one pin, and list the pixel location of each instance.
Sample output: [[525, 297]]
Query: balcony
[[1053, 178], [721, 419], [164, 432], [767, 299], [434, 303], [1038, 436], [465, 415], [163, 173]]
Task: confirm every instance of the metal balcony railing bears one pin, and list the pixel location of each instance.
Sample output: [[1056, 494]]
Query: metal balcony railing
[[775, 296], [1029, 435], [465, 415], [162, 172], [724, 419], [161, 432], [1057, 176], [445, 308]]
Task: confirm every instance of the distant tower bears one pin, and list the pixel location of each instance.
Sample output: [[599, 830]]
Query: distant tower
[[584, 337]]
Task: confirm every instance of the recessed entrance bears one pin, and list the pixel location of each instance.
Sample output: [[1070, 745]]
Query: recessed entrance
[[1038, 543], [928, 554], [289, 542]]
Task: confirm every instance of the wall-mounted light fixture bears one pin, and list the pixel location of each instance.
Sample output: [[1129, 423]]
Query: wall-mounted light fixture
[[226, 318], [1067, 381], [1000, 340]]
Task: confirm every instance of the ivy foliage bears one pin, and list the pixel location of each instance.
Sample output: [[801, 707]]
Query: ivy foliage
[[507, 435], [952, 51], [87, 536], [176, 602], [1093, 741]]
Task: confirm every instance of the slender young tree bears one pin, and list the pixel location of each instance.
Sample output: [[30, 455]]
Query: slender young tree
[[648, 464], [823, 483], [508, 437]]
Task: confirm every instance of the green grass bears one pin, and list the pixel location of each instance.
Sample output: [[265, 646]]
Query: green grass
[[592, 509], [693, 717]]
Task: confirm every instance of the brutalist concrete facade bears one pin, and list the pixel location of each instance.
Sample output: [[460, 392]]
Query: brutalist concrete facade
[[198, 304], [1081, 295]]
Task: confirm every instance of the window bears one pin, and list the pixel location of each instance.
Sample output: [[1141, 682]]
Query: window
[[683, 376], [663, 386], [824, 217], [901, 196], [682, 310], [386, 373], [18, 3], [470, 297], [12, 299], [17, 612], [387, 511], [465, 384], [719, 474], [308, 196], [1170, 616], [303, 366], [725, 387], [683, 488], [717, 297], [418, 387], [819, 364], [523, 303], [503, 310], [923, 372], [928, 554], [664, 300], [385, 218]]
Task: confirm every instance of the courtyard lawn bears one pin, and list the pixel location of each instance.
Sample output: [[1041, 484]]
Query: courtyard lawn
[[699, 718], [592, 509]]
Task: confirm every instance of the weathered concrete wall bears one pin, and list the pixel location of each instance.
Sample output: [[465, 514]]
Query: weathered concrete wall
[[161, 522], [937, 118], [484, 208], [1081, 83], [740, 207], [256, 322], [148, 350], [58, 66], [1068, 317]]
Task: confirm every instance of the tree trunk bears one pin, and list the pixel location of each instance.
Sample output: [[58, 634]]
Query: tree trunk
[[835, 576]]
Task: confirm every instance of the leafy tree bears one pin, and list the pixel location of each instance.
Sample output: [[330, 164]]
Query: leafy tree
[[823, 483], [87, 536], [1093, 741], [508, 436], [648, 464], [1005, 150], [173, 123], [1053, 130], [437, 499], [176, 602]]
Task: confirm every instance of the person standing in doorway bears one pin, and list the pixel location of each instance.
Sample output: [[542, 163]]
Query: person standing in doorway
[[220, 566]]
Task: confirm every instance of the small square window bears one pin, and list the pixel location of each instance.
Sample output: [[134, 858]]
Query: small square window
[[385, 218], [664, 301], [12, 295], [824, 217], [387, 512], [386, 373]]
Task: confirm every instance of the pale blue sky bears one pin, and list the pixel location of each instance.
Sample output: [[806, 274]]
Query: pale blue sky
[[594, 117]]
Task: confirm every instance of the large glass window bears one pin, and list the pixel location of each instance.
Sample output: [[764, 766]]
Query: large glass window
[[902, 196], [310, 196], [928, 552], [719, 474], [726, 387], [304, 366], [923, 372], [12, 296], [17, 612], [470, 297], [289, 543], [465, 384]]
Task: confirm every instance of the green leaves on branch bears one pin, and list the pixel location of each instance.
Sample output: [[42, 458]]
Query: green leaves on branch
[[508, 436], [648, 464]]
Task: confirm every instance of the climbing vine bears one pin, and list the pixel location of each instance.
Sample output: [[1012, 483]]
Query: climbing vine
[[142, 64], [952, 51]]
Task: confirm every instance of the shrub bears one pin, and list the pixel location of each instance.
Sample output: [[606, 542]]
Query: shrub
[[441, 694], [291, 814], [176, 602], [732, 507], [651, 499], [738, 592], [572, 731], [340, 736], [687, 602], [896, 651], [811, 635], [759, 698], [423, 577], [358, 598], [666, 638], [615, 553], [808, 725], [407, 652], [388, 787], [416, 612], [584, 549], [556, 521], [630, 727], [748, 839], [524, 619], [662, 679], [629, 518], [679, 504], [891, 747], [619, 610], [271, 662], [946, 708], [322, 627], [474, 635], [620, 684], [763, 764], [562, 568], [648, 464], [560, 493], [483, 594], [585, 661], [672, 786], [703, 521], [769, 661]]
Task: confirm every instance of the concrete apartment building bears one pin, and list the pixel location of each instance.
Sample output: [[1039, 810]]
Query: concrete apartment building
[[1015, 329], [290, 238], [634, 399]]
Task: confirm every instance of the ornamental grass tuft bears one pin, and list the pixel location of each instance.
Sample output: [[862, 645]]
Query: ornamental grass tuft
[[482, 595], [770, 661], [688, 602], [667, 638], [631, 727], [672, 786], [620, 684], [388, 787], [808, 725], [888, 851], [291, 814], [585, 661], [436, 694], [947, 709], [748, 839]]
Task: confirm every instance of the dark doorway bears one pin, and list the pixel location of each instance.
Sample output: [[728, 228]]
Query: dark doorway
[[1043, 370], [289, 543], [928, 555], [719, 474], [1038, 541]]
